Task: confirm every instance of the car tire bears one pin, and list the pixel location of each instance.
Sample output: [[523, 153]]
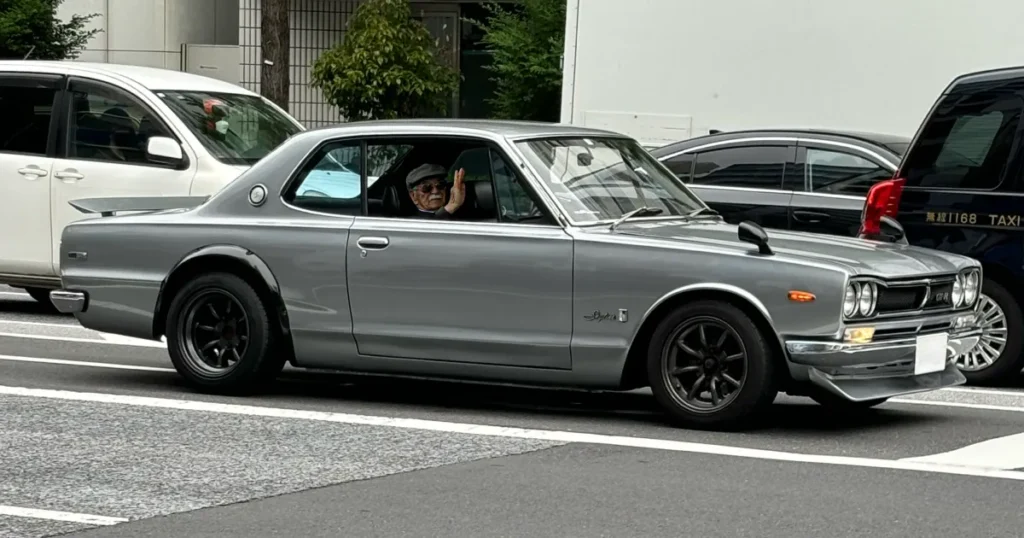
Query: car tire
[[200, 340], [673, 370], [1000, 317]]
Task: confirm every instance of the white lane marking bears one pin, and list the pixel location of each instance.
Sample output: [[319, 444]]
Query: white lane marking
[[64, 362], [52, 515], [74, 324], [116, 366], [107, 337], [117, 340], [939, 403], [500, 431], [999, 453], [994, 392]]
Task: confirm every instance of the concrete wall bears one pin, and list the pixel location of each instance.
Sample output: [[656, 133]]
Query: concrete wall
[[151, 32]]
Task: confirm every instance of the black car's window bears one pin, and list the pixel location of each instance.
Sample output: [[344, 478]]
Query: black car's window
[[106, 124], [26, 124], [966, 143], [681, 165], [329, 182], [838, 172], [759, 167]]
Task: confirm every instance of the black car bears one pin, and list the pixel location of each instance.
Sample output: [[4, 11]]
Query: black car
[[956, 186], [960, 188], [798, 179]]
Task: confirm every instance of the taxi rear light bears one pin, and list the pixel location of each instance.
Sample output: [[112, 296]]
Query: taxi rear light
[[883, 200]]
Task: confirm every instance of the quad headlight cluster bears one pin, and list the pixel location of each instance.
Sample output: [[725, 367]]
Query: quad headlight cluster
[[966, 288], [861, 299]]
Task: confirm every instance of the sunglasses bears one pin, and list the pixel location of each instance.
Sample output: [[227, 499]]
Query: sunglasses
[[430, 187]]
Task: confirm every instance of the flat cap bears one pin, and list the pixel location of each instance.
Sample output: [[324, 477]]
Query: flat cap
[[425, 171]]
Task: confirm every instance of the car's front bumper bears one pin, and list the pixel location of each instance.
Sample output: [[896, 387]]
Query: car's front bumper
[[69, 301], [885, 366]]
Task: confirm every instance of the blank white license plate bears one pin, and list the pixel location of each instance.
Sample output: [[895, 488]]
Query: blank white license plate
[[931, 353]]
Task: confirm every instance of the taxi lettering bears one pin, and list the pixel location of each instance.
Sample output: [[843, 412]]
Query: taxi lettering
[[996, 220]]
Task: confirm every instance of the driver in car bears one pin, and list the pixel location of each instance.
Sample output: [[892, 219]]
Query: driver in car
[[427, 188]]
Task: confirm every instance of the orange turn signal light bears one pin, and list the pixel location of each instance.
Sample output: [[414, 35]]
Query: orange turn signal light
[[801, 296]]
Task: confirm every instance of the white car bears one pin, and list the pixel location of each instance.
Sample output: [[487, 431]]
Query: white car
[[73, 130]]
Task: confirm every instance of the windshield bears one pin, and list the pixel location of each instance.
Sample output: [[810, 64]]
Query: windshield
[[599, 179], [236, 129]]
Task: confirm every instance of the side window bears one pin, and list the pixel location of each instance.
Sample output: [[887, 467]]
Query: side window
[[837, 172], [758, 167], [966, 143], [106, 124], [681, 165], [514, 202], [329, 182], [26, 123]]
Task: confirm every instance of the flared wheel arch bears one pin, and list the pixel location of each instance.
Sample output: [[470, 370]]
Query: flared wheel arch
[[231, 259], [634, 372]]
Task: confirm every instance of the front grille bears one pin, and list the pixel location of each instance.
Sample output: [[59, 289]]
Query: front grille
[[931, 295]]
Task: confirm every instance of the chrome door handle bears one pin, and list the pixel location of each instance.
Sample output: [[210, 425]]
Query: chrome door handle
[[75, 176], [33, 171], [376, 243]]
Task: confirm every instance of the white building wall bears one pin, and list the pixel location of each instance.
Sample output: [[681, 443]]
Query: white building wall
[[674, 68], [151, 32]]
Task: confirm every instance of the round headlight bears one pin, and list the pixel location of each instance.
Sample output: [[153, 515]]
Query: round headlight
[[850, 301], [868, 294], [971, 287], [958, 290]]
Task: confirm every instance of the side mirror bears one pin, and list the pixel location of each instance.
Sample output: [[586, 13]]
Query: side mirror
[[892, 228], [751, 232], [164, 150]]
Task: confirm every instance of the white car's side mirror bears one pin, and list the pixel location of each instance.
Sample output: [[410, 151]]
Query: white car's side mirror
[[165, 150]]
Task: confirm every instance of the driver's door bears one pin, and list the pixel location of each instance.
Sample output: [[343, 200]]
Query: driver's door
[[492, 291]]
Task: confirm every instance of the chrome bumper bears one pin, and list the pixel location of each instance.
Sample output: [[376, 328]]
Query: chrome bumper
[[880, 369], [69, 302]]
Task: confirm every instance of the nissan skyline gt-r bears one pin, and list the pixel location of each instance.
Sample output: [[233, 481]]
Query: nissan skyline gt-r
[[569, 257]]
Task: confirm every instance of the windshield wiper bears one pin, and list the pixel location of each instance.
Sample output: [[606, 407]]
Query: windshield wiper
[[638, 212]]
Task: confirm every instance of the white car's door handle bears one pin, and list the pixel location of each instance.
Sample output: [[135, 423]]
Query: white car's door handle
[[376, 243], [32, 171], [68, 176]]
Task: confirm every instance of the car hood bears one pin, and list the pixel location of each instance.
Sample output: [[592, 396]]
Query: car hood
[[856, 256]]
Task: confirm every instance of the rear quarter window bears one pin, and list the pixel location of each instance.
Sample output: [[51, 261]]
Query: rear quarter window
[[966, 143]]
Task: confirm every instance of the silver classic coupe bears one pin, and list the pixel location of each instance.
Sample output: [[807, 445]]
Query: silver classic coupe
[[515, 252]]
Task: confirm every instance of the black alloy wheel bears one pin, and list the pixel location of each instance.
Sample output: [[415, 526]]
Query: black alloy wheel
[[215, 331], [221, 337], [706, 363], [710, 366]]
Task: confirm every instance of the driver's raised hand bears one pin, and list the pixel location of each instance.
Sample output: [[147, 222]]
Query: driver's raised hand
[[458, 194]]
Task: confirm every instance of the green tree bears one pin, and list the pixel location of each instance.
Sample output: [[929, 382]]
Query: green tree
[[25, 24], [527, 44], [387, 67]]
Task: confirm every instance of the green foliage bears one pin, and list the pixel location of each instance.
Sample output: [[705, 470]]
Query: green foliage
[[387, 67], [28, 23], [527, 45]]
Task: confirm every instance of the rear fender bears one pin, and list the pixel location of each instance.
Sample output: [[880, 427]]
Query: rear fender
[[226, 257]]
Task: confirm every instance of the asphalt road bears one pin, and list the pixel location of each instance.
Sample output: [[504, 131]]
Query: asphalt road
[[98, 438]]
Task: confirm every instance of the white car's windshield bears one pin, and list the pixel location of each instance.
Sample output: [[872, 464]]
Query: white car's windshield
[[235, 128], [597, 179]]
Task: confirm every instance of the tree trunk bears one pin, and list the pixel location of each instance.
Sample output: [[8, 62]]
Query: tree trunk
[[274, 79]]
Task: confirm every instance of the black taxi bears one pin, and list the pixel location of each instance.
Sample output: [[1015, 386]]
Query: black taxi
[[960, 188]]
